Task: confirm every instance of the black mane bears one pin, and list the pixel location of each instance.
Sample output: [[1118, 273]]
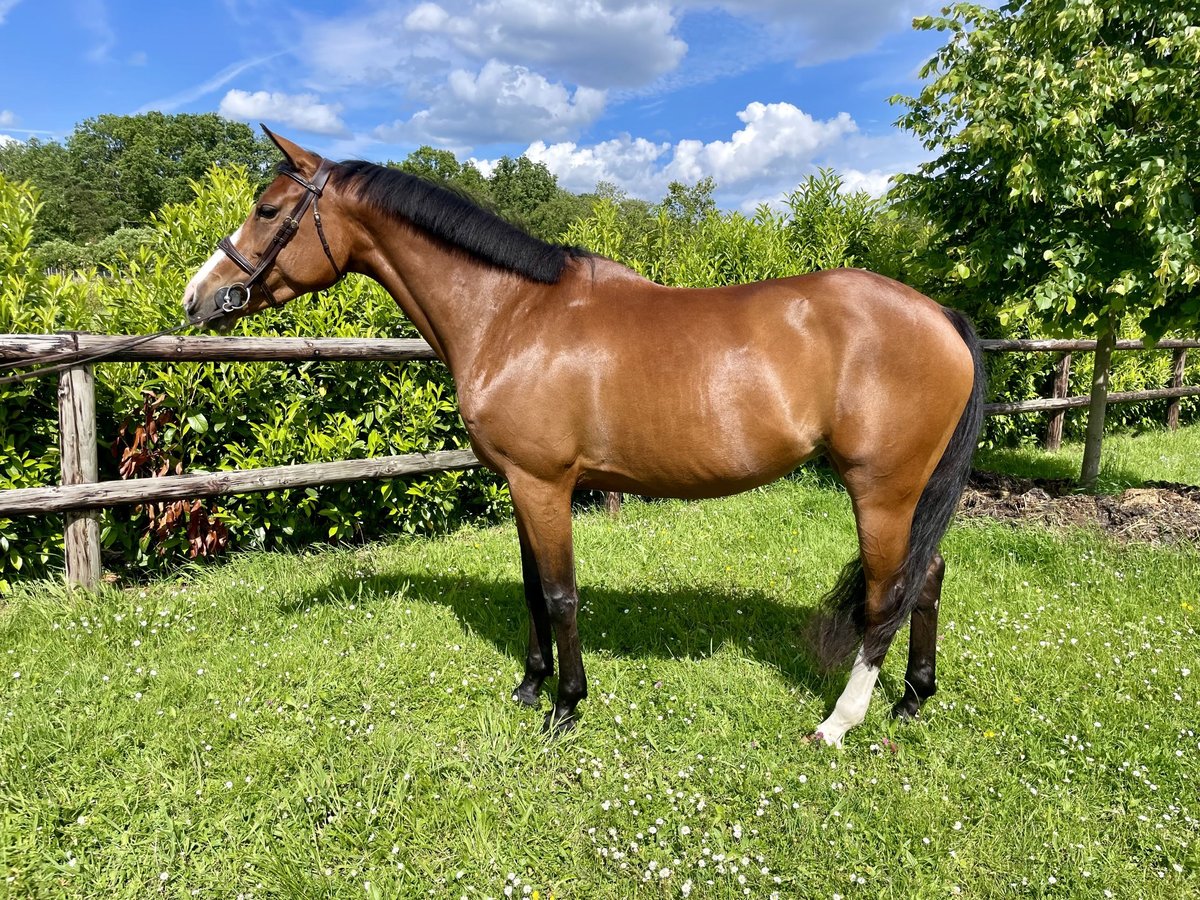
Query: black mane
[[455, 219]]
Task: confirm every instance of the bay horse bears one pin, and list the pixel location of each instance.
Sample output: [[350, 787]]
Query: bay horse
[[572, 371]]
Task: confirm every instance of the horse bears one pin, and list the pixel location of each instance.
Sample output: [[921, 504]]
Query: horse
[[572, 371]]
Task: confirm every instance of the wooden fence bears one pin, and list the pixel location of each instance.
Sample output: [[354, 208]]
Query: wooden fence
[[1059, 402], [81, 495]]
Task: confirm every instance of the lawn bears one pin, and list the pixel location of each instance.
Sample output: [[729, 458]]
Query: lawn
[[339, 724], [1127, 460]]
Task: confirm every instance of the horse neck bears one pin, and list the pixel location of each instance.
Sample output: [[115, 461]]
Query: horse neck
[[452, 299]]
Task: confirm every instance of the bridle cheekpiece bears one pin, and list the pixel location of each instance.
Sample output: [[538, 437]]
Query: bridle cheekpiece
[[238, 295]]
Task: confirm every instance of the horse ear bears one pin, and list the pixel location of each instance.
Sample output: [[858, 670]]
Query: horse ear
[[303, 161]]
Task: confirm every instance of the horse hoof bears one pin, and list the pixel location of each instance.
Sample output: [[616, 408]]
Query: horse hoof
[[906, 709], [827, 734], [527, 695], [558, 725]]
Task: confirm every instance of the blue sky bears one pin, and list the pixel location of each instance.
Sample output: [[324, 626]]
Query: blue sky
[[755, 93]]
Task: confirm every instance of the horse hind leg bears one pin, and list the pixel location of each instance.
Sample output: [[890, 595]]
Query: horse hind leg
[[902, 510], [920, 678], [883, 532]]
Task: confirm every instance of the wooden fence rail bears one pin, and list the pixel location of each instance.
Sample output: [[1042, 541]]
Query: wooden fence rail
[[32, 348], [1059, 403], [81, 495]]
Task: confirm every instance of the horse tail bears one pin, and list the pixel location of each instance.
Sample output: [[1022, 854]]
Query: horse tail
[[844, 621]]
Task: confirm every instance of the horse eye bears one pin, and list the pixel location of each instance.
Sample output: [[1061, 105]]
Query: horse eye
[[268, 212]]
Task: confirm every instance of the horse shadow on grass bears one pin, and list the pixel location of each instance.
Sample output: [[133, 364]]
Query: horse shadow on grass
[[683, 622]]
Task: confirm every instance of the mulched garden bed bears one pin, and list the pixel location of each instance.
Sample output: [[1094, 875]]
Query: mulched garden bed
[[1157, 513]]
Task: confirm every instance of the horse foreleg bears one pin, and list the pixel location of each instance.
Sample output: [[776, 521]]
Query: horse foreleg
[[543, 513], [539, 657], [920, 679]]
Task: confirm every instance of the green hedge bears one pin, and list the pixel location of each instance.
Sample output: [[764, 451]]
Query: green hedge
[[225, 415]]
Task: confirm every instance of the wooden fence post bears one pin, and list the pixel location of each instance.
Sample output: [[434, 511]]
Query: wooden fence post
[[1101, 374], [1062, 383], [1176, 382], [80, 465]]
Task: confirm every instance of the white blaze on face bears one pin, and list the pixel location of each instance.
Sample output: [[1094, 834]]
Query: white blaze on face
[[852, 705], [207, 269]]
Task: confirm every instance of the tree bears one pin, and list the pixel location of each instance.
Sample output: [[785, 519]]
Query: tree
[[519, 186], [443, 167], [46, 166], [134, 165], [551, 219], [690, 205], [116, 171], [1064, 189]]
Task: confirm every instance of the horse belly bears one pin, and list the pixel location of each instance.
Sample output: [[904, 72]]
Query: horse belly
[[701, 446]]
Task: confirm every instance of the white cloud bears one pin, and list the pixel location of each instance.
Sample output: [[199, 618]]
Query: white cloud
[[462, 73], [813, 33], [605, 44], [777, 147], [360, 49], [465, 73], [501, 103], [6, 6], [93, 17], [302, 111], [469, 72], [194, 93], [427, 17], [628, 162], [600, 43], [876, 183], [7, 118], [6, 139], [776, 134]]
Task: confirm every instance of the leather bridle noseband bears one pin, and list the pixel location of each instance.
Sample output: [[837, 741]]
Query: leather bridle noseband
[[287, 230]]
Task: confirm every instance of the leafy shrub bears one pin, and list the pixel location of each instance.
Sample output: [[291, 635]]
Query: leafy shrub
[[225, 415], [687, 242], [105, 255]]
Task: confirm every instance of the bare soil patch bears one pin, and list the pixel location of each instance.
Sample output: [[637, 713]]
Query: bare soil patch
[[1160, 513]]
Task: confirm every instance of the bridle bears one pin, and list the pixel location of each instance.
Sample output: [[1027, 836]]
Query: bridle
[[287, 230], [238, 295]]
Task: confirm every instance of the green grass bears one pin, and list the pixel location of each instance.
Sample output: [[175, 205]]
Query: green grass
[[306, 726], [1127, 460]]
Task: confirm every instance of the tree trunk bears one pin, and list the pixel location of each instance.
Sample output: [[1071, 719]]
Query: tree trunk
[[1095, 427]]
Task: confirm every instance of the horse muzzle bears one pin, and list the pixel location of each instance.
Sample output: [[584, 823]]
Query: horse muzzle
[[223, 302]]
